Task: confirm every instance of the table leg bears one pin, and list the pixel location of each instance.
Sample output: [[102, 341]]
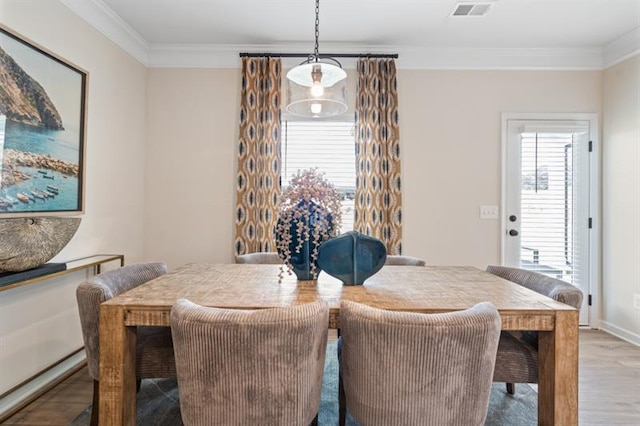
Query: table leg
[[117, 368], [558, 373]]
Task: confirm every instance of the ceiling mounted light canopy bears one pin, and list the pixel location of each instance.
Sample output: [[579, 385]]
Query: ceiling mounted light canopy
[[317, 87]]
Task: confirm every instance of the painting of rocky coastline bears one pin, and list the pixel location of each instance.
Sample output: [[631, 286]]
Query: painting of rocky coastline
[[42, 130]]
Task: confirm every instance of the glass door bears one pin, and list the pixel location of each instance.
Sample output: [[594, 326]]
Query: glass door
[[547, 207]]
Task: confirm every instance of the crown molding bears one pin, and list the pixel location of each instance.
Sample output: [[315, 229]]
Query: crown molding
[[103, 19], [106, 21], [500, 58], [226, 56], [622, 48]]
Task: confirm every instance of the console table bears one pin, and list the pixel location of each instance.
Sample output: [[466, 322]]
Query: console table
[[52, 371], [73, 265]]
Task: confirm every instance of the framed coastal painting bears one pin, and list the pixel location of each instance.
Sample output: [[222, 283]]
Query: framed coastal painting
[[42, 130]]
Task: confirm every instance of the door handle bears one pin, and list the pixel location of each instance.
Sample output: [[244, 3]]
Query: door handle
[[513, 232]]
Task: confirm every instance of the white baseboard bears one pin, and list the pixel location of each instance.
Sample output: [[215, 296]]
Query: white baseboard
[[620, 332], [26, 392]]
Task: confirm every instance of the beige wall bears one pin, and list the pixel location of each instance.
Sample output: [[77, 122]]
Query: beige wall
[[192, 132], [451, 153], [39, 323], [621, 199], [450, 133]]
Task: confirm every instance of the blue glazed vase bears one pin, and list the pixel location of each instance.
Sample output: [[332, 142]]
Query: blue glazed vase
[[352, 257], [303, 263]]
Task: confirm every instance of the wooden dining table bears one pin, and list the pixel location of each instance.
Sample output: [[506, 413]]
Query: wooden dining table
[[427, 289]]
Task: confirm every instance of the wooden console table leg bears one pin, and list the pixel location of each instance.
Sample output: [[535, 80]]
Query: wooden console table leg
[[117, 368], [558, 374]]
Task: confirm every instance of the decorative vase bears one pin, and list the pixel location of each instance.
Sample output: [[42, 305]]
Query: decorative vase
[[303, 249], [352, 257]]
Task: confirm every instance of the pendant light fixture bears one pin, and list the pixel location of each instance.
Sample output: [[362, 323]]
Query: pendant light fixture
[[317, 87]]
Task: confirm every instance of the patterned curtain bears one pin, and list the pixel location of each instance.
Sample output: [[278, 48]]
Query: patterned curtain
[[378, 204], [258, 179]]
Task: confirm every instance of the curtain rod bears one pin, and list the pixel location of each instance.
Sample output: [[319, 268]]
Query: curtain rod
[[324, 55]]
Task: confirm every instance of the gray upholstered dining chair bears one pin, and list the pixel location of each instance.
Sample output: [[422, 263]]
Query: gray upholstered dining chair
[[154, 355], [401, 260], [517, 358], [239, 367], [264, 258], [403, 368]]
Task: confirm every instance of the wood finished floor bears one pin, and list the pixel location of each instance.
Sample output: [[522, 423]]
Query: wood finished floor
[[609, 387]]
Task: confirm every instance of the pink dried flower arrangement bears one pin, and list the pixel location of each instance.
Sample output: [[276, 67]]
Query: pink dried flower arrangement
[[310, 207]]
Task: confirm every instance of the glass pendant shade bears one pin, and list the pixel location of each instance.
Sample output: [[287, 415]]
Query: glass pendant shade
[[332, 101], [303, 74], [317, 87]]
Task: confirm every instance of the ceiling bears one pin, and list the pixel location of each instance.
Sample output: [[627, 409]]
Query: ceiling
[[165, 30]]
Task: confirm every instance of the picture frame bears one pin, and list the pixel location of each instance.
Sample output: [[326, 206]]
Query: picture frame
[[43, 112]]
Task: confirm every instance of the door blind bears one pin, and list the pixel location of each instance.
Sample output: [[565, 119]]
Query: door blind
[[554, 216]]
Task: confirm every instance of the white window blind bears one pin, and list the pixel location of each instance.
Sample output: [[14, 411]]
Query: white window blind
[[328, 146], [554, 218]]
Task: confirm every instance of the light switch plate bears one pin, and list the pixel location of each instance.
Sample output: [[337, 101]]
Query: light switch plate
[[489, 212]]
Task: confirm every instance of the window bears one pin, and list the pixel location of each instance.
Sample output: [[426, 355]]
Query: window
[[548, 202], [329, 146]]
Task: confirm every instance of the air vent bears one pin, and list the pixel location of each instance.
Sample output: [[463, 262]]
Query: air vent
[[471, 9]]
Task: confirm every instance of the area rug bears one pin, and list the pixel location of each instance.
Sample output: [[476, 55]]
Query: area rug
[[158, 403]]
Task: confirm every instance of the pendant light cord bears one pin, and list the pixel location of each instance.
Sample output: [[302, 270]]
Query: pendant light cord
[[315, 50], [315, 57]]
